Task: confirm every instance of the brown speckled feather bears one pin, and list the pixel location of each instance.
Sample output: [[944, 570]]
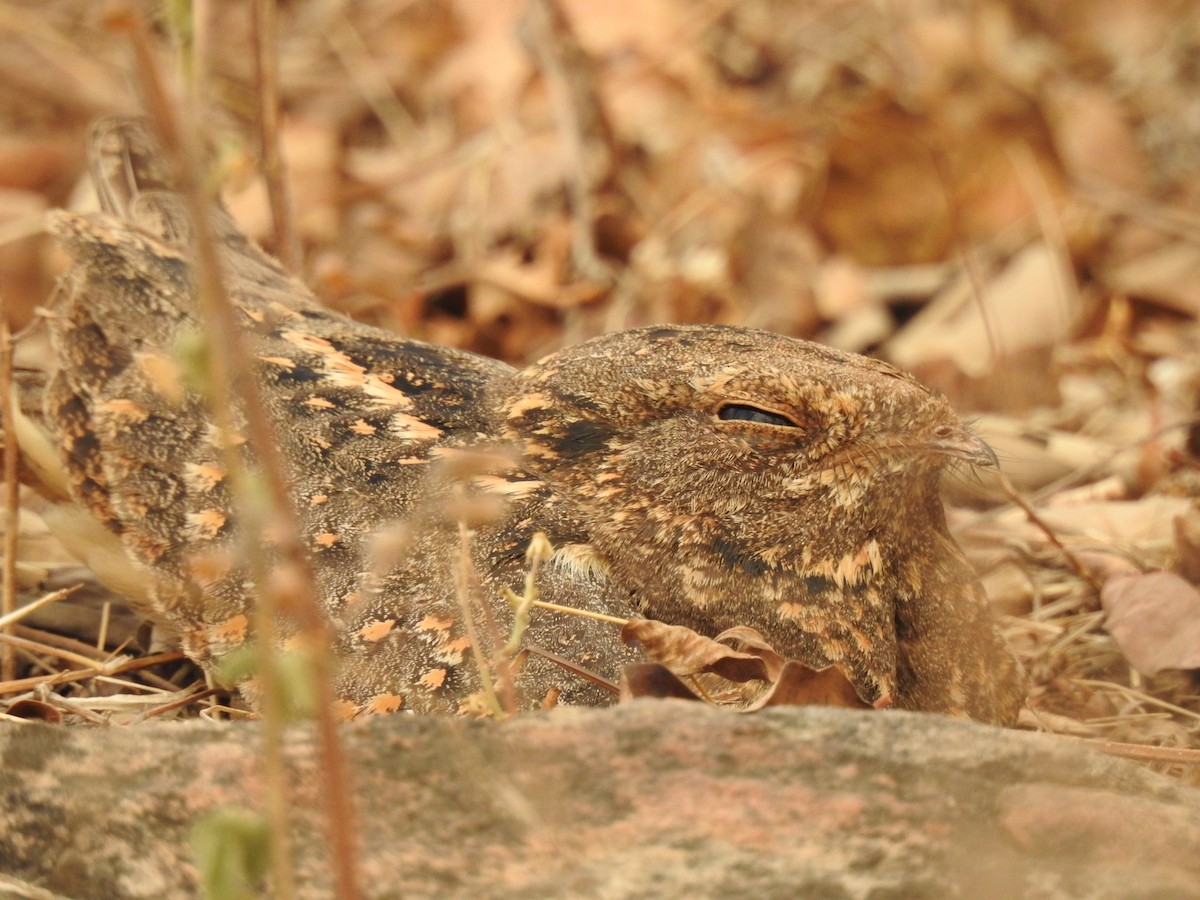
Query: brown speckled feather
[[815, 520]]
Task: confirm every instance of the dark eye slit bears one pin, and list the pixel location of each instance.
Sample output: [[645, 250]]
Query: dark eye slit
[[741, 412]]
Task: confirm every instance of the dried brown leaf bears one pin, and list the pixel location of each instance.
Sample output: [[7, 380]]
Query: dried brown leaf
[[652, 680], [1031, 303], [1187, 543], [1094, 137], [685, 652], [1155, 619], [798, 685], [748, 640], [35, 710], [1168, 275]]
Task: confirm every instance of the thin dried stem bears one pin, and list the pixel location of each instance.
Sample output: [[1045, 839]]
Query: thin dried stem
[[12, 640], [1079, 568], [616, 620], [69, 675], [574, 668], [228, 370], [178, 703], [582, 122], [1140, 697], [61, 642], [17, 615], [12, 509], [266, 76], [462, 584], [376, 90], [197, 73], [232, 379]]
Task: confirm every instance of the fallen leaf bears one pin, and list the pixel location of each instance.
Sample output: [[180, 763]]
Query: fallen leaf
[[35, 710], [1187, 542], [1155, 619], [1169, 275], [685, 652], [1031, 303], [652, 680], [748, 640], [1093, 136], [798, 685], [679, 651]]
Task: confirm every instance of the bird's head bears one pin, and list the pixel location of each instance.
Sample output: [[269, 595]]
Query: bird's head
[[731, 476], [730, 423]]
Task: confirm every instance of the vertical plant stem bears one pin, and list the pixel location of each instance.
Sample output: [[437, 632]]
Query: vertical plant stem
[[266, 75], [223, 333], [197, 73], [232, 379], [462, 585], [12, 511], [583, 124]]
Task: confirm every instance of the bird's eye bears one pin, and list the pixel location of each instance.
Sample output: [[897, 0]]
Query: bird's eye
[[740, 412]]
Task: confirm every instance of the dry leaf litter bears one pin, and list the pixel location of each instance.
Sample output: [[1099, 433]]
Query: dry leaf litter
[[997, 196]]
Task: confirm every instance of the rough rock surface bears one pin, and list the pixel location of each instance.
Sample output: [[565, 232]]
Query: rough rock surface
[[656, 798]]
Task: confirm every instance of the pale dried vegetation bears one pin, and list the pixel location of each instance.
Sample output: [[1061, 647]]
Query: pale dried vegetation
[[999, 196]]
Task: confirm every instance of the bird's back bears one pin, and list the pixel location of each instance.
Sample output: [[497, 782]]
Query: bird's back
[[379, 436]]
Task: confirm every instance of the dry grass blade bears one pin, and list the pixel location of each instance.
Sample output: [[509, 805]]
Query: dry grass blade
[[574, 668], [1014, 496], [582, 122], [86, 662], [53, 597], [1142, 753], [180, 702], [18, 685]]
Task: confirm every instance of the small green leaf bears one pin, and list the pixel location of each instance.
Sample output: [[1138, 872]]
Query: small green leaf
[[232, 851]]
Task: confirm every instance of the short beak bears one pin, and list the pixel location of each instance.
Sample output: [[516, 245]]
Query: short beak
[[965, 446]]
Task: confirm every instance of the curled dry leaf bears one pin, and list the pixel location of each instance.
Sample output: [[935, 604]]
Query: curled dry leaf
[[685, 652], [1155, 620], [747, 640], [35, 710], [680, 651], [798, 685], [653, 680]]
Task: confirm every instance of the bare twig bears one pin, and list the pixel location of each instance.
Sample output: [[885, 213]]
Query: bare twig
[[583, 124], [355, 56], [17, 615], [574, 668], [60, 642], [266, 73], [69, 675], [232, 379], [178, 703], [12, 510], [229, 377], [587, 614], [970, 262], [78, 659], [1141, 697], [1079, 568], [462, 586]]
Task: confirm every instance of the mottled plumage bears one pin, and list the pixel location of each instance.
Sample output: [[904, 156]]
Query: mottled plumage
[[708, 476]]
